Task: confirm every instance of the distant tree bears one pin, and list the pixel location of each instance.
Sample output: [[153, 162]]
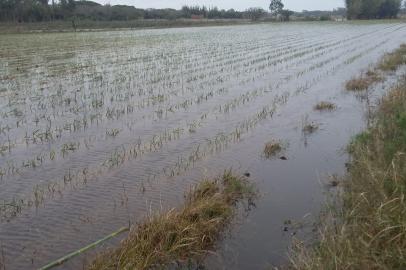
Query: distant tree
[[189, 11], [162, 14], [372, 9], [339, 12], [285, 14], [73, 10], [255, 13], [390, 9], [232, 14], [325, 18], [276, 6]]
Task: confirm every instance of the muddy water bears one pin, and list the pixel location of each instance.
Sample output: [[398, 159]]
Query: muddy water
[[99, 129]]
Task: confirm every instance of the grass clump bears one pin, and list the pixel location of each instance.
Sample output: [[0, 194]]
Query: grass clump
[[325, 106], [357, 84], [272, 148], [367, 227], [364, 81], [310, 128], [392, 61], [181, 235]]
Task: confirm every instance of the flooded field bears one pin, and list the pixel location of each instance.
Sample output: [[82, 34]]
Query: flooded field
[[99, 129]]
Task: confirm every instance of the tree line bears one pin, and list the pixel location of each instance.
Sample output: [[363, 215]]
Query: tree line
[[44, 10], [372, 9], [355, 9], [50, 10]]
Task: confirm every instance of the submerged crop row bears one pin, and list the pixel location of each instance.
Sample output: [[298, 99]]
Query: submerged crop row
[[96, 125], [135, 101]]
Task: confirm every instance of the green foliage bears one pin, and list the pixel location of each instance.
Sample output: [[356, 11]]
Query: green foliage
[[325, 18], [276, 6], [321, 15], [362, 138], [41, 10], [372, 9], [285, 14], [393, 60], [396, 137], [255, 14]]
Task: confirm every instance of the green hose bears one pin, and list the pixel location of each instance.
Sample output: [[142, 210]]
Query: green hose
[[77, 252]]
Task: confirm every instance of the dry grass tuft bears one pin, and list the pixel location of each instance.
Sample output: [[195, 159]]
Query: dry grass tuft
[[392, 61], [325, 106], [310, 128], [272, 148], [184, 234], [357, 84], [366, 229], [364, 81]]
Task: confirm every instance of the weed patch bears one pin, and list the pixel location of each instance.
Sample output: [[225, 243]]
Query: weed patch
[[366, 227], [184, 234]]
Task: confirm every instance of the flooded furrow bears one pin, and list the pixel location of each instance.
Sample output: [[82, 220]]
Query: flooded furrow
[[105, 127]]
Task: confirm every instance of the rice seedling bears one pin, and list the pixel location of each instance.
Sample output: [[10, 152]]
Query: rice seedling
[[272, 148], [309, 127], [4, 149], [113, 132], [69, 147], [325, 106]]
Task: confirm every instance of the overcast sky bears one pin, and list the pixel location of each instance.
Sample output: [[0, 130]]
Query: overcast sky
[[296, 5]]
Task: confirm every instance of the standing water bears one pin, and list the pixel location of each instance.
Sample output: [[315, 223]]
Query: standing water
[[99, 129]]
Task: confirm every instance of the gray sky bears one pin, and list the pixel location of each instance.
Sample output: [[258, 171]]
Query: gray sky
[[297, 5]]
